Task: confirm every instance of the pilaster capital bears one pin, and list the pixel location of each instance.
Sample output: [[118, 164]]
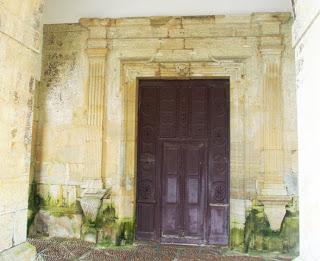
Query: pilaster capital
[[97, 28], [97, 52], [267, 50]]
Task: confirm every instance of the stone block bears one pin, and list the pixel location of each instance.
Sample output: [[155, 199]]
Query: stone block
[[7, 226], [171, 43], [20, 226], [137, 32], [22, 252], [54, 225], [10, 199], [270, 28]]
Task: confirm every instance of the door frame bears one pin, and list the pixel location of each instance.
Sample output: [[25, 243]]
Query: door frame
[[159, 168]]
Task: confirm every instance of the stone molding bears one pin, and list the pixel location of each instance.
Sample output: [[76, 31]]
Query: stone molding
[[254, 25], [232, 68]]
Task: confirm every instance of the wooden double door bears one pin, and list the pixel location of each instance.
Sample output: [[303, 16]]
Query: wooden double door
[[183, 161]]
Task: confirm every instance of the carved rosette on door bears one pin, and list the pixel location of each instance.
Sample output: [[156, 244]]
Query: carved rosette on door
[[183, 161]]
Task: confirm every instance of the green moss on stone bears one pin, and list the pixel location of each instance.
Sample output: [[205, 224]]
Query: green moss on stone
[[106, 242], [237, 239], [112, 230], [33, 204], [88, 227], [106, 216], [258, 236], [290, 233], [57, 208], [125, 233]]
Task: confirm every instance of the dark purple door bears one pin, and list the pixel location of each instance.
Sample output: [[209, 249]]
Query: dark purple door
[[183, 161]]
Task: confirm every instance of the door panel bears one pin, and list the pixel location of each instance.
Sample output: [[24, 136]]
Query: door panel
[[168, 112], [183, 161], [218, 177], [147, 205], [171, 208], [218, 225], [192, 173]]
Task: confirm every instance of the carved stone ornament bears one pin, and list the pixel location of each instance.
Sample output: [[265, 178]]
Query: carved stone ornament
[[275, 209], [183, 69], [91, 202]]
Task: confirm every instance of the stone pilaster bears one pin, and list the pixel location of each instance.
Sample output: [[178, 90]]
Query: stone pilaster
[[95, 98], [95, 112], [273, 193], [93, 191]]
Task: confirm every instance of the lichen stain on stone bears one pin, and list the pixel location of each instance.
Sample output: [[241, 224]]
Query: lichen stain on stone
[[31, 84], [59, 67], [58, 207], [16, 97], [14, 133]]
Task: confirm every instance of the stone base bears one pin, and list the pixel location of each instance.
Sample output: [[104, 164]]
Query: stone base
[[23, 252], [47, 224], [275, 209]]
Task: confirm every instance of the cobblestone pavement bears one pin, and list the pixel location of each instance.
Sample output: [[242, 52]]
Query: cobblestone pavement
[[63, 250]]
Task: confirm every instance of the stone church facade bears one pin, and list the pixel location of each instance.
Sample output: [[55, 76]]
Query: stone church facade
[[86, 125]]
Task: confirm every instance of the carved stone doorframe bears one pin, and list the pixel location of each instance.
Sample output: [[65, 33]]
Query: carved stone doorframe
[[132, 71]]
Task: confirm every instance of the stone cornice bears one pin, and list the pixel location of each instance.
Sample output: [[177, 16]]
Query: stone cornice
[[271, 17], [89, 22], [266, 25], [211, 19]]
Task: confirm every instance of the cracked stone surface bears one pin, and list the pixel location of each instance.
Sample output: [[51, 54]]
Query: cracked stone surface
[[56, 249]]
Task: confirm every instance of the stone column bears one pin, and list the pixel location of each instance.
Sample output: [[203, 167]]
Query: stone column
[[95, 114], [273, 193]]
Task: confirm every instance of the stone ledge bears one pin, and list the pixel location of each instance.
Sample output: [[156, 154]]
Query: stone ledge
[[23, 252]]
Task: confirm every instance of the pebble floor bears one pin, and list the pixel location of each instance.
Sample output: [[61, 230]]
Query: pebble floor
[[64, 250]]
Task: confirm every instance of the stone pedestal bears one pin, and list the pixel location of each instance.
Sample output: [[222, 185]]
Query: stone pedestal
[[53, 225], [90, 203], [275, 209]]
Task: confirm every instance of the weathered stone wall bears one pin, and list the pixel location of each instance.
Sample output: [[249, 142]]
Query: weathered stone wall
[[254, 51], [306, 40], [20, 40], [59, 145]]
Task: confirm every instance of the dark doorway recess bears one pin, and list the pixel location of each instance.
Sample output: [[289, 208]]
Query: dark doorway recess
[[183, 161]]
